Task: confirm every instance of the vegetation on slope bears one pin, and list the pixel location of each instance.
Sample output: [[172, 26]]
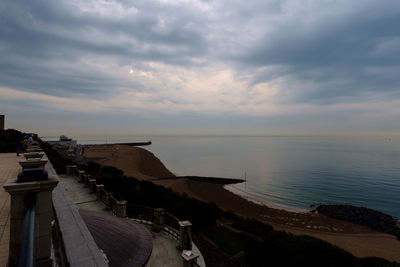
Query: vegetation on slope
[[248, 242], [56, 159]]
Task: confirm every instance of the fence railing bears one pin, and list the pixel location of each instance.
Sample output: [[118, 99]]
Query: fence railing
[[154, 217], [113, 205], [141, 214], [171, 225]]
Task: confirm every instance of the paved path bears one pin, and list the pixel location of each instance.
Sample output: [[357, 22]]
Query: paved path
[[80, 196], [9, 168]]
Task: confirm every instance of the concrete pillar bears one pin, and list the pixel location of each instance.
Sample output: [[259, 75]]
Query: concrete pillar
[[121, 208], [86, 179], [189, 257], [81, 176], [107, 200], [92, 186], [21, 193], [158, 219], [69, 170], [185, 239], [99, 192]]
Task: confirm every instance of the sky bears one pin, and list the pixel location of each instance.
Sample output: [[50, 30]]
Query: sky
[[83, 67]]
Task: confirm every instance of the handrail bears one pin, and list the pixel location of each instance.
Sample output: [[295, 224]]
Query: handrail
[[139, 213], [27, 252], [145, 215]]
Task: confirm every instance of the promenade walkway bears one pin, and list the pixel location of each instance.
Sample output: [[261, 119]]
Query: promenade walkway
[[79, 195], [9, 168], [164, 247]]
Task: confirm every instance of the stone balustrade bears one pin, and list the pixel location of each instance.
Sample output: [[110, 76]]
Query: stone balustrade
[[158, 219], [92, 186], [69, 169], [86, 178], [33, 163], [33, 155], [185, 242], [99, 192], [107, 200], [189, 257], [121, 208], [81, 176], [22, 193]]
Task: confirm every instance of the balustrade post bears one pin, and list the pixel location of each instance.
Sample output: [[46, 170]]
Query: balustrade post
[[121, 208], [69, 169], [86, 179], [158, 219], [185, 237], [99, 191], [81, 176], [92, 186], [107, 200], [189, 257], [21, 196]]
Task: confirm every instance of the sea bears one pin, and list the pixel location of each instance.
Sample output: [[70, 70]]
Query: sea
[[295, 173]]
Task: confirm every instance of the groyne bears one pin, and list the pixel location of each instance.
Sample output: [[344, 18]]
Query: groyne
[[214, 180], [124, 144]]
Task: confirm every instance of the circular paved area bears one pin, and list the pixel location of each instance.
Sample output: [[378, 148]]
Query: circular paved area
[[125, 242]]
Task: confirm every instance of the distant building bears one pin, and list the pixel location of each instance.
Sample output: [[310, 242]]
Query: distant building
[[64, 141], [2, 127]]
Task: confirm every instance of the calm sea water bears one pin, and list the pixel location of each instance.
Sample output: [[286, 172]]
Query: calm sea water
[[289, 172]]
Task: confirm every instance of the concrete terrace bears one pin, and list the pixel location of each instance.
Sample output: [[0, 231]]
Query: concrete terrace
[[79, 243], [9, 168], [164, 246]]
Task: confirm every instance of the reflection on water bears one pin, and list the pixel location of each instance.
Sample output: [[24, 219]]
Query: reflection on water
[[290, 171]]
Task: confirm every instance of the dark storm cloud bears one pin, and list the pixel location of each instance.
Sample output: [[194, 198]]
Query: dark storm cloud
[[36, 35], [348, 52], [323, 51]]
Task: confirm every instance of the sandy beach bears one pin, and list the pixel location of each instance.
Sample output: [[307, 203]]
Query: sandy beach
[[358, 240]]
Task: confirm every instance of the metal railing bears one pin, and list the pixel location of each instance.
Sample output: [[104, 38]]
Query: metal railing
[[27, 252], [141, 214], [158, 219], [171, 225]]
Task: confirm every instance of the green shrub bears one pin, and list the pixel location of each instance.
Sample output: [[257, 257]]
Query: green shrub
[[56, 159], [10, 140], [254, 227], [227, 240], [262, 245]]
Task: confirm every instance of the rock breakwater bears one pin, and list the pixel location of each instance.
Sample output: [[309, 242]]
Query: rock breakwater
[[376, 220]]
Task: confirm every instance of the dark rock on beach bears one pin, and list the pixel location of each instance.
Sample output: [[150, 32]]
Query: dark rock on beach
[[374, 219]]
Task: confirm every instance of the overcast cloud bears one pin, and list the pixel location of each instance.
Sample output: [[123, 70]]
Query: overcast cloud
[[201, 66]]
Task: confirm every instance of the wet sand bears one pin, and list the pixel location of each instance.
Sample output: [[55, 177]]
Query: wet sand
[[359, 240]]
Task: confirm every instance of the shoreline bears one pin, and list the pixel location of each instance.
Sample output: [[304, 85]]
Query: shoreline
[[359, 240], [249, 197]]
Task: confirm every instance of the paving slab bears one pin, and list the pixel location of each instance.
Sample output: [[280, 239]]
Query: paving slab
[[9, 168], [80, 196]]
